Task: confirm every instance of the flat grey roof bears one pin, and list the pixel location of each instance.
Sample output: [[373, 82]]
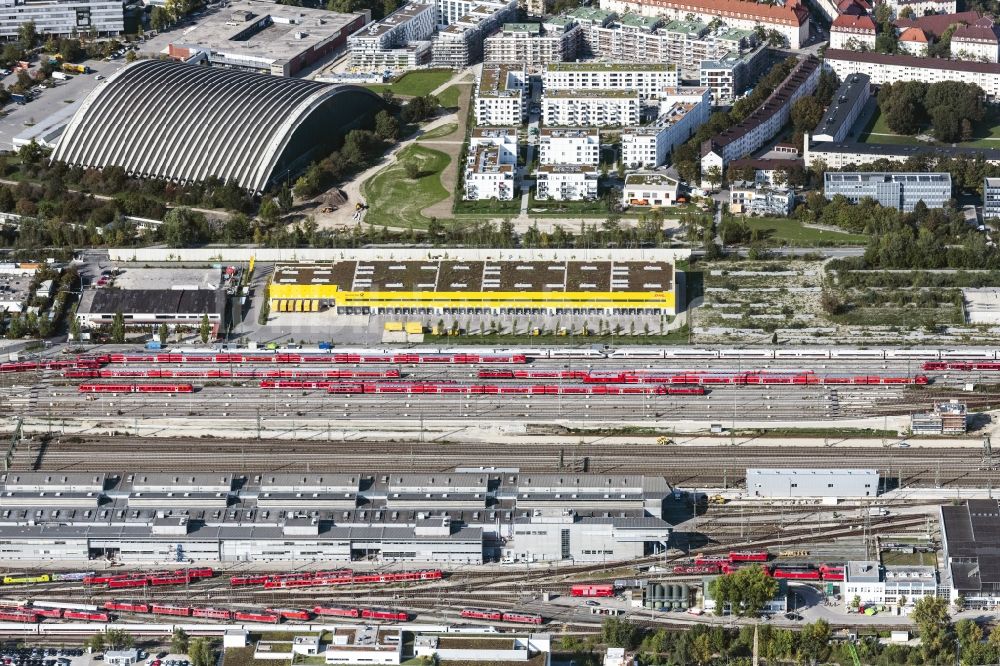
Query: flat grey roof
[[851, 90], [155, 301]]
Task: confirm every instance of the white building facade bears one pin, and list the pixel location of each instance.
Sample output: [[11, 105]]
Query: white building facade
[[832, 483], [598, 108], [487, 177], [647, 79], [566, 182], [501, 95], [682, 112], [54, 17], [882, 68], [504, 138], [570, 145], [650, 189]]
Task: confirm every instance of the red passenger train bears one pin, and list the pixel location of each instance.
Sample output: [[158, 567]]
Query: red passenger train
[[501, 616], [592, 590], [135, 388]]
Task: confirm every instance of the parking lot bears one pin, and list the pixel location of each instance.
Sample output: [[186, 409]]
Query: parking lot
[[51, 654], [16, 117]]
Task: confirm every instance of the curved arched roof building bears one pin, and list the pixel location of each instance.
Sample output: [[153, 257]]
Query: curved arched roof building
[[162, 119]]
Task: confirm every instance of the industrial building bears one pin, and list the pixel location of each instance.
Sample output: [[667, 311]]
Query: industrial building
[[146, 309], [948, 418], [458, 517], [265, 37], [234, 125], [970, 541], [901, 191], [502, 95], [473, 284], [764, 122], [875, 584], [826, 483], [62, 18]]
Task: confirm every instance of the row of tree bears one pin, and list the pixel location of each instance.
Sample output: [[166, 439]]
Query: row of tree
[[951, 108]]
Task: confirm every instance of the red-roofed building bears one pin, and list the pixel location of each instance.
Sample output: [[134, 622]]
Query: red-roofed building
[[977, 41], [922, 7], [854, 7], [934, 25], [913, 41], [852, 32], [790, 19]]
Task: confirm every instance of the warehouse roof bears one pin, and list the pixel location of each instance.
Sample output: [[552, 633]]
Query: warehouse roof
[[198, 122], [156, 301]]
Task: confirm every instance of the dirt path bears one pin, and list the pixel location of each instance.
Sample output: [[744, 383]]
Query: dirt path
[[452, 146]]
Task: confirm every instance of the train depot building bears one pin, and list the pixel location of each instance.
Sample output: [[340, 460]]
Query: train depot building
[[452, 517], [550, 283]]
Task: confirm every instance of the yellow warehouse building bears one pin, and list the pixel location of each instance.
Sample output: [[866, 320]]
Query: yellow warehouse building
[[476, 287]]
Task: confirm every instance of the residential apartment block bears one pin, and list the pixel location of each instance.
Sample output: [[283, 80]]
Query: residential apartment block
[[569, 145], [650, 189], [487, 177], [501, 95], [844, 110], [765, 121], [504, 138], [790, 19], [566, 182], [901, 191], [534, 44], [852, 32], [991, 198], [683, 111], [648, 79], [976, 41], [461, 43], [592, 107], [752, 199], [729, 76], [843, 155], [882, 68], [399, 41]]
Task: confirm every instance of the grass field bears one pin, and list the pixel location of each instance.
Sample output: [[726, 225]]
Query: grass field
[[986, 134], [793, 232], [395, 199], [415, 84], [878, 132], [449, 97], [439, 132]]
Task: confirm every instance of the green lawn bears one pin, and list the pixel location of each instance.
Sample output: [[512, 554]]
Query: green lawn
[[395, 199], [449, 97], [415, 84], [439, 132], [793, 232], [878, 132], [490, 207], [986, 134]]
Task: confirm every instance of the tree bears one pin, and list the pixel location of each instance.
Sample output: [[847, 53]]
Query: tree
[[163, 333], [201, 652], [936, 632], [177, 9], [118, 639], [285, 200], [30, 153], [806, 114], [179, 641], [714, 176], [616, 632], [74, 328], [118, 328], [269, 211], [386, 127], [205, 329], [159, 19], [27, 34], [969, 633], [744, 592], [412, 169], [907, 13], [183, 227], [827, 86], [701, 650], [96, 642]]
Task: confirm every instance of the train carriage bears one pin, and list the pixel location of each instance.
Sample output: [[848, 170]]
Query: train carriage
[[126, 606], [385, 614], [592, 590], [523, 618], [252, 616], [336, 611], [482, 614], [213, 613], [163, 609]]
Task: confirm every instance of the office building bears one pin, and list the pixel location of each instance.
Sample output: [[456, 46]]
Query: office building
[[764, 122], [487, 177], [534, 44], [970, 543], [947, 418], [808, 482], [790, 19], [650, 189], [876, 585], [592, 107], [504, 138], [901, 191], [991, 198], [566, 182], [569, 145], [62, 18], [682, 112], [844, 110], [501, 95], [397, 42], [648, 79], [855, 33], [882, 68]]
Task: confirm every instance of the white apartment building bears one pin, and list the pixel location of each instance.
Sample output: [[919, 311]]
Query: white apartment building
[[882, 68], [729, 76], [399, 41], [566, 182], [765, 121], [976, 42], [62, 17], [682, 112], [650, 189], [790, 19], [592, 107], [486, 177], [840, 155], [461, 43], [924, 7], [501, 95], [843, 112], [750, 199], [648, 79], [504, 138], [852, 32], [569, 145], [534, 44]]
